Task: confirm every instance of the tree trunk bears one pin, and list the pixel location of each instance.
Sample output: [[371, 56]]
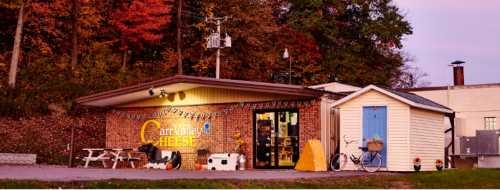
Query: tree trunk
[[179, 25], [124, 61], [16, 49], [75, 50]]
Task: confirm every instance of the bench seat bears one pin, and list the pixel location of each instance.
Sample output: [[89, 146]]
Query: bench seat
[[17, 158]]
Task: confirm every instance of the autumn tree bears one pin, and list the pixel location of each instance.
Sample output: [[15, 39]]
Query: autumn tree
[[138, 23]]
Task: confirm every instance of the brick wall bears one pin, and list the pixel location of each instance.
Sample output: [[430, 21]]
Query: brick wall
[[48, 136], [124, 132]]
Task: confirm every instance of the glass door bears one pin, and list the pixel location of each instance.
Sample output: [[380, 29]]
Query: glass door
[[276, 139], [288, 138], [264, 140]]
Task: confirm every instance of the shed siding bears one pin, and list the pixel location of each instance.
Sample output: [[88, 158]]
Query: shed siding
[[205, 95], [427, 137], [398, 127], [327, 127]]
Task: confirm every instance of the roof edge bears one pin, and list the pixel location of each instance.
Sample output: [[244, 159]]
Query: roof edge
[[390, 94], [228, 83]]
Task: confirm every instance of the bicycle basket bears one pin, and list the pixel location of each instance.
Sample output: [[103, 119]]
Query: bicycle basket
[[375, 146]]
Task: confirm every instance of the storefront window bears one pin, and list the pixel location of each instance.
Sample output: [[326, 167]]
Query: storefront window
[[276, 139]]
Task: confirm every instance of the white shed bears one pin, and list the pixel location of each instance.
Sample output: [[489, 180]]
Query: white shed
[[410, 126]]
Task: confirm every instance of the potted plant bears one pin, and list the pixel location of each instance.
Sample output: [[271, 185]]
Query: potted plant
[[439, 164], [417, 164], [239, 143]]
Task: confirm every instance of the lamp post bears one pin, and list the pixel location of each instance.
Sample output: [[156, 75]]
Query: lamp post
[[287, 56]]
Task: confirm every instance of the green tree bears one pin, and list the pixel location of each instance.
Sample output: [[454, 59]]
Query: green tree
[[360, 40]]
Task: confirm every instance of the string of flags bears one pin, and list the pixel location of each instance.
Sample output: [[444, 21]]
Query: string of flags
[[203, 116]]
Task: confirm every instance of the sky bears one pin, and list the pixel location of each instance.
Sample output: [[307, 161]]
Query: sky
[[449, 30]]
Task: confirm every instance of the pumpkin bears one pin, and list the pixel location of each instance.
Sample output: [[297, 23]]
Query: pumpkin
[[169, 166], [198, 166]]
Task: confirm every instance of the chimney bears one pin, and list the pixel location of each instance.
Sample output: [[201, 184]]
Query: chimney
[[458, 73]]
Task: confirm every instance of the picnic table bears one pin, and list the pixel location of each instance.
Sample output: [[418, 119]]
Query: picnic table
[[114, 154]]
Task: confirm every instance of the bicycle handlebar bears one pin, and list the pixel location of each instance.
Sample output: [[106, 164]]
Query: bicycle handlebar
[[347, 141]]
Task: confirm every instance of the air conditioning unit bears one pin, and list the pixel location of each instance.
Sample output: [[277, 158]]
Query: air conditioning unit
[[223, 162], [468, 145], [487, 141]]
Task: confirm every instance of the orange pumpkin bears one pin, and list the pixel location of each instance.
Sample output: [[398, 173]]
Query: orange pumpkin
[[198, 166], [169, 166]]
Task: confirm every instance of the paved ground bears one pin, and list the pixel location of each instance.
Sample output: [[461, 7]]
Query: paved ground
[[58, 173]]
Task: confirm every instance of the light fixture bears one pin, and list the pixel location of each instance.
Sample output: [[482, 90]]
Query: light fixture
[[163, 93], [285, 54], [227, 41], [151, 91]]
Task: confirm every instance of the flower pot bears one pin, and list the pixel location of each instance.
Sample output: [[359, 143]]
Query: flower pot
[[417, 167], [439, 167]]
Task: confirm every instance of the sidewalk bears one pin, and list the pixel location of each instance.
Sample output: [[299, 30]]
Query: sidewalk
[[58, 173]]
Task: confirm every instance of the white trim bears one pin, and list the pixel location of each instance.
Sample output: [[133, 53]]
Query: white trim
[[390, 94]]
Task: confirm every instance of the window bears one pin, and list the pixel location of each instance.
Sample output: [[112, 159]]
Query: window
[[490, 123]]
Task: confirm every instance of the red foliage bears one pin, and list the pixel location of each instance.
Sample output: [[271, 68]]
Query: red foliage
[[140, 22], [299, 43]]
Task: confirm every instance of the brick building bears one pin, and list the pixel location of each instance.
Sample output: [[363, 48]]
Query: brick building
[[193, 113]]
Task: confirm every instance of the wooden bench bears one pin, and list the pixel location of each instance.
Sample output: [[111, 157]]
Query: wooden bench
[[17, 158]]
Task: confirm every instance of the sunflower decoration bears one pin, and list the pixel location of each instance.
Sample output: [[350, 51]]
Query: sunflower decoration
[[239, 143]]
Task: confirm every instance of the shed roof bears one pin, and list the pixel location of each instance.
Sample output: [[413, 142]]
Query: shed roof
[[405, 97], [183, 82]]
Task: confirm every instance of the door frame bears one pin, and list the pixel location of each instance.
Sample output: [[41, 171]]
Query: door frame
[[386, 144], [276, 149]]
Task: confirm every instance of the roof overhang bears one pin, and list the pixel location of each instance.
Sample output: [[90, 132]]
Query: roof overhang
[[383, 91], [181, 83]]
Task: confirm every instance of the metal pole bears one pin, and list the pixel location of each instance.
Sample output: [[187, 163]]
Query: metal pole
[[290, 71], [71, 144], [217, 59], [179, 25]]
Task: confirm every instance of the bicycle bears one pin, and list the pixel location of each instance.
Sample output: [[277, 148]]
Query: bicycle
[[370, 161]]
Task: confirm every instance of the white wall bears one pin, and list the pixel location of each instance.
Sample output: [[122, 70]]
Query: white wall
[[327, 126], [426, 138], [398, 130], [471, 104]]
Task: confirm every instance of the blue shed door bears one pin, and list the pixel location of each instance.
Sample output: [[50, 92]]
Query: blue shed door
[[375, 126]]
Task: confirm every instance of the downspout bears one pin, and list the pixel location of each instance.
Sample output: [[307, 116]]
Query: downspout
[[451, 117]]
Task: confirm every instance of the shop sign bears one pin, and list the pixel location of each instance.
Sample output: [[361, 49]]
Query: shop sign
[[173, 135]]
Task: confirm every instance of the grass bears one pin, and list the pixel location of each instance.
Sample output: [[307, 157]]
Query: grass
[[475, 178]]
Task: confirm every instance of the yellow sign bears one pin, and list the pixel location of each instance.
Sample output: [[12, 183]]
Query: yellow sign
[[175, 136]]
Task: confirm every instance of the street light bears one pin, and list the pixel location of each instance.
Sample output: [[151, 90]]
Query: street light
[[287, 56]]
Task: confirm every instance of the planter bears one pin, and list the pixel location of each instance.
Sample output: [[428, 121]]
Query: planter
[[439, 165], [417, 164], [375, 145], [417, 167]]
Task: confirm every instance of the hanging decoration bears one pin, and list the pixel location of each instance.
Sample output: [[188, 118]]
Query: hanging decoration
[[205, 116]]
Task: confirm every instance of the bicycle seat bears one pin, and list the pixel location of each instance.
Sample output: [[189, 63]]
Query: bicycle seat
[[364, 149]]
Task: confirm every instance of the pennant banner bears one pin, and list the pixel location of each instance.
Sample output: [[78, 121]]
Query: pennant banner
[[204, 116]]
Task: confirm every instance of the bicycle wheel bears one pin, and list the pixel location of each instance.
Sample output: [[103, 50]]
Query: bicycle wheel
[[371, 161], [338, 162]]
